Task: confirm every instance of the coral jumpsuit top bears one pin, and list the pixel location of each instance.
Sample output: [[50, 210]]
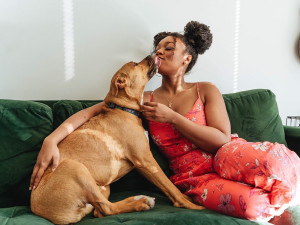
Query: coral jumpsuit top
[[185, 159]]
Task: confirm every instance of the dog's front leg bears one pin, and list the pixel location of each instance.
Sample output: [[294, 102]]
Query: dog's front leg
[[148, 166]]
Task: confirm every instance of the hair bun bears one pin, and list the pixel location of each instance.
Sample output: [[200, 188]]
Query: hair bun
[[198, 35]]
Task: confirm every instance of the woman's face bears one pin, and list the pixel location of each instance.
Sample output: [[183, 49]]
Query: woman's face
[[172, 56]]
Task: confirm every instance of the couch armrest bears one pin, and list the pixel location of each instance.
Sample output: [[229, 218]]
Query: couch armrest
[[292, 136]]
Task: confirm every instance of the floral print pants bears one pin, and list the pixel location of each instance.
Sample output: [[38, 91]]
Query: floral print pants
[[255, 181]]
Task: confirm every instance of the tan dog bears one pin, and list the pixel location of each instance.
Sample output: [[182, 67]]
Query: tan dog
[[102, 151]]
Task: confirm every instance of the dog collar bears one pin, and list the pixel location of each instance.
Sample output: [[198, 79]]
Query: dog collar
[[132, 111]]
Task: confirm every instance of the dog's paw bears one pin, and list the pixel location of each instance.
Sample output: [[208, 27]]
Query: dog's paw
[[150, 201]]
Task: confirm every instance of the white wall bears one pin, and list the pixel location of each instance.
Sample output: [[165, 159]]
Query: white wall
[[253, 40]]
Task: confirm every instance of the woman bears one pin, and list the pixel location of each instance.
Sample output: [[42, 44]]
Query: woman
[[189, 122]]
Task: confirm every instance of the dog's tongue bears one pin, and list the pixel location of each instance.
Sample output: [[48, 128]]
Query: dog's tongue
[[157, 61]]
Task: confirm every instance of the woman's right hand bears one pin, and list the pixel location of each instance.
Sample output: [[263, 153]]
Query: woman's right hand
[[49, 154]]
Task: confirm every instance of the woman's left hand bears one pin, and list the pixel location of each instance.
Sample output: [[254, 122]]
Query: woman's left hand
[[157, 112]]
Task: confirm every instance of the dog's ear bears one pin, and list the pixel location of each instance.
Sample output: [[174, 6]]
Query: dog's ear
[[120, 82]]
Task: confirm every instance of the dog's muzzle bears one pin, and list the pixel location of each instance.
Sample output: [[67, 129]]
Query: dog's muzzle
[[153, 63]]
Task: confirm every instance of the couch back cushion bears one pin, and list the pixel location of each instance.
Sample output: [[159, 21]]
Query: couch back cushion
[[23, 127], [254, 115]]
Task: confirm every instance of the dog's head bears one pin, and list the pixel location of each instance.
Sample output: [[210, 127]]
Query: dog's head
[[128, 83]]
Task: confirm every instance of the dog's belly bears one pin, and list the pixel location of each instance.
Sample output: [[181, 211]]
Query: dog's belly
[[102, 153]]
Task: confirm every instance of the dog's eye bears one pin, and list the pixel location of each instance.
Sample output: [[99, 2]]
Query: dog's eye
[[135, 64]]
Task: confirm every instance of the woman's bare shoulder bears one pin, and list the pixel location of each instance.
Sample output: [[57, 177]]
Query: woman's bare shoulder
[[207, 85], [208, 89]]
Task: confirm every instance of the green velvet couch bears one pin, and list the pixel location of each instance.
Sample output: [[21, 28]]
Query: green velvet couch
[[24, 125]]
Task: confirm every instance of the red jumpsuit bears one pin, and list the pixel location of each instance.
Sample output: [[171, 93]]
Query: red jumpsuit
[[250, 180]]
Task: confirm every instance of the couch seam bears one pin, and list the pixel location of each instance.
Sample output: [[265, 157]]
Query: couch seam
[[7, 218], [270, 122]]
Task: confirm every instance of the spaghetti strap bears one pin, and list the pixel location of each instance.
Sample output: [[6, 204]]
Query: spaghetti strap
[[198, 93], [151, 96]]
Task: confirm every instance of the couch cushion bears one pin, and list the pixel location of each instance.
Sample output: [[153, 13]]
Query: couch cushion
[[21, 215], [163, 213], [254, 115], [292, 136], [63, 109], [24, 125]]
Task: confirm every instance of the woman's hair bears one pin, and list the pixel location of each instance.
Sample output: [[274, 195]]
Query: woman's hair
[[197, 39]]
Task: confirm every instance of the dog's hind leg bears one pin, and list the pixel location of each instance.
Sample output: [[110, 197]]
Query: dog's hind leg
[[130, 204], [105, 190], [98, 197], [62, 196]]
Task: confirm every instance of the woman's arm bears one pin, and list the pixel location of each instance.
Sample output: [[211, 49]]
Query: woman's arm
[[209, 138], [217, 132], [49, 153], [73, 122]]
